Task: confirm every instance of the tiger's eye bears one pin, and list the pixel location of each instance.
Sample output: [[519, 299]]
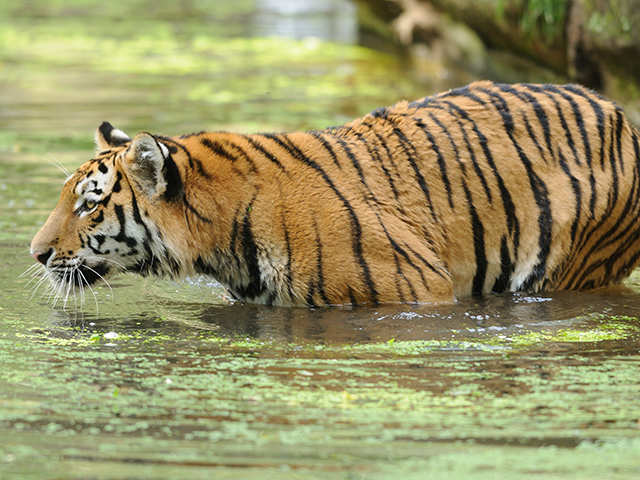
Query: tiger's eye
[[89, 204]]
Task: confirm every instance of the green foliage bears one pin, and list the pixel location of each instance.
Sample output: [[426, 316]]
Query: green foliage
[[547, 16], [544, 17]]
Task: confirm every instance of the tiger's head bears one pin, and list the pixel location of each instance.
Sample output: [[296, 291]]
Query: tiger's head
[[114, 213]]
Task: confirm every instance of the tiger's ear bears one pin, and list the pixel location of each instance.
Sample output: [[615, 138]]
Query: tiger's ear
[[145, 161], [107, 136]]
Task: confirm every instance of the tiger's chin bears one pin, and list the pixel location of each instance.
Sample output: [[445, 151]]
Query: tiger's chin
[[71, 281], [90, 275], [80, 275]]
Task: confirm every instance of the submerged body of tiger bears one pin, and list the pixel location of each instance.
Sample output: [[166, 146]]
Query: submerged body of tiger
[[486, 188]]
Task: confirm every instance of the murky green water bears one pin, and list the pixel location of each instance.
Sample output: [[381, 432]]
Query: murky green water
[[167, 380]]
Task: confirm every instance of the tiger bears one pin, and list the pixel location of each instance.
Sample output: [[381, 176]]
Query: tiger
[[484, 188]]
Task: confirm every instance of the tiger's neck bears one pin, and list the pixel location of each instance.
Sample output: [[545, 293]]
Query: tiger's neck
[[232, 211]]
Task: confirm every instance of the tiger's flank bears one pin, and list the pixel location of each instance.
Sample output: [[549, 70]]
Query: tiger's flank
[[485, 188]]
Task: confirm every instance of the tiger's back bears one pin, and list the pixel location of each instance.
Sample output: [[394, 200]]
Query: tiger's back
[[514, 187], [485, 188]]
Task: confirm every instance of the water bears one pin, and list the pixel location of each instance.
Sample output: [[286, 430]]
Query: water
[[168, 380]]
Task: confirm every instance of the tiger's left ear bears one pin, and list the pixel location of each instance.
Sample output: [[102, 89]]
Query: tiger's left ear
[[146, 162], [107, 136]]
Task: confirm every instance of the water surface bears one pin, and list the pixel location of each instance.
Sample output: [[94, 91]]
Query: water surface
[[159, 379]]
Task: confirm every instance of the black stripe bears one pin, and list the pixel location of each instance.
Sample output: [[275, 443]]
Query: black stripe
[[478, 244], [506, 268], [538, 109], [411, 153], [355, 163], [396, 280], [580, 123], [289, 271], [631, 214], [398, 250], [441, 163], [628, 212], [175, 187], [146, 241], [327, 146], [194, 134], [453, 144], [577, 193], [356, 228], [375, 155], [539, 189], [636, 149], [265, 152], [117, 185], [384, 144], [122, 236], [243, 154], [321, 291], [577, 118], [99, 219], [217, 148], [463, 92], [194, 211], [575, 108], [619, 125], [513, 224], [235, 227], [408, 147], [255, 287], [563, 121], [614, 171], [352, 297], [435, 270], [186, 152], [474, 160], [532, 136], [597, 110], [136, 213], [309, 298]]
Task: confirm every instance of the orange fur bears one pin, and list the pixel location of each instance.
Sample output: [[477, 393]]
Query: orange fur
[[486, 188]]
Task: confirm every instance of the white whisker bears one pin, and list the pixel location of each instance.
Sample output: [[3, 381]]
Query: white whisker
[[44, 276], [80, 288], [34, 277], [30, 269], [68, 289], [73, 293], [102, 278], [61, 167], [61, 286], [95, 299], [107, 260]]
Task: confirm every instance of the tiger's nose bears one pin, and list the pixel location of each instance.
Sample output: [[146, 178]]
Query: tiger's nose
[[42, 257]]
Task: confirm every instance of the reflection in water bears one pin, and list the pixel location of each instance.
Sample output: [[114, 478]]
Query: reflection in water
[[505, 314], [467, 319], [333, 20]]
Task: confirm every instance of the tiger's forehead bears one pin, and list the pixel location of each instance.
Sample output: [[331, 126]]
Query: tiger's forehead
[[95, 174]]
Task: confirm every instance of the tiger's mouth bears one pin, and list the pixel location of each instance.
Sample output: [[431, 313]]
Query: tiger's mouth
[[81, 275], [92, 274], [69, 280]]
